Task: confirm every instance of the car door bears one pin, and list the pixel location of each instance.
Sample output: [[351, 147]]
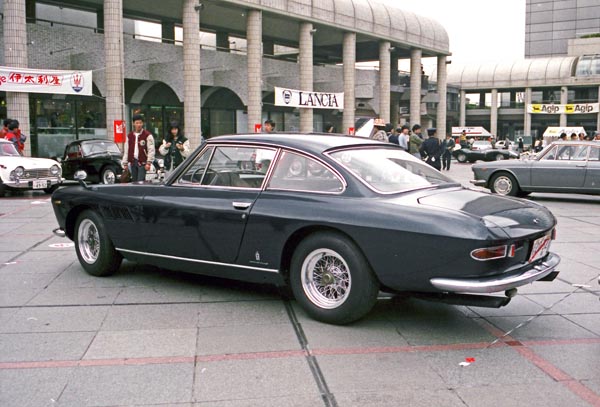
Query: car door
[[72, 160], [202, 214], [562, 167], [592, 174]]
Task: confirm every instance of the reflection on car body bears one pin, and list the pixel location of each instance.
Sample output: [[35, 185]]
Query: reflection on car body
[[563, 166], [336, 218]]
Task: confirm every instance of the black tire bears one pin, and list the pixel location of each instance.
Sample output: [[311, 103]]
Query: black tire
[[504, 183], [461, 157], [95, 250], [332, 280], [108, 175]]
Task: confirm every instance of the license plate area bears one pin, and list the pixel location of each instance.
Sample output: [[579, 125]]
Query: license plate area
[[540, 248], [39, 184]]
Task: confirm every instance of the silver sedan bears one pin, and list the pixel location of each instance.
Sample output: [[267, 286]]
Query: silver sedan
[[569, 166]]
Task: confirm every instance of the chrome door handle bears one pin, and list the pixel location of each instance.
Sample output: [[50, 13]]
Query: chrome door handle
[[241, 205]]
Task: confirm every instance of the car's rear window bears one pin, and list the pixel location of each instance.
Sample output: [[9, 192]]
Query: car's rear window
[[100, 147], [388, 170]]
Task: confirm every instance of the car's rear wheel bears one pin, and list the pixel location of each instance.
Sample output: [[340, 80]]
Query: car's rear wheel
[[461, 157], [332, 280], [94, 248], [108, 175], [499, 157], [504, 184]]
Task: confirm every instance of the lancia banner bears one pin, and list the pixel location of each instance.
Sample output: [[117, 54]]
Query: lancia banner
[[306, 99], [571, 108], [45, 81]]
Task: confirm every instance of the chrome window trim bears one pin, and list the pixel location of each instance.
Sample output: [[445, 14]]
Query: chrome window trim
[[214, 263]]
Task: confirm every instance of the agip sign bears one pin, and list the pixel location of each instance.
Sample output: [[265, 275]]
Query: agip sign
[[571, 108], [309, 100]]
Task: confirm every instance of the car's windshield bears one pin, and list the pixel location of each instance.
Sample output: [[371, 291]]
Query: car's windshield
[[389, 170], [100, 147], [8, 149]]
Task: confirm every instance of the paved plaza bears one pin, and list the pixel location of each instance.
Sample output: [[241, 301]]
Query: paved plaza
[[150, 337]]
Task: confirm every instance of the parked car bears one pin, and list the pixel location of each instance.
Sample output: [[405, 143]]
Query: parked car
[[99, 158], [563, 166], [481, 145], [506, 145], [463, 155], [18, 173], [336, 218]]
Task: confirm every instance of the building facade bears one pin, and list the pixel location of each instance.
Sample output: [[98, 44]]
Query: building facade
[[214, 66]]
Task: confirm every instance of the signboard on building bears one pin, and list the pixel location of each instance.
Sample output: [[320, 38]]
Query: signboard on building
[[119, 131], [473, 131], [306, 99], [571, 108], [45, 81]]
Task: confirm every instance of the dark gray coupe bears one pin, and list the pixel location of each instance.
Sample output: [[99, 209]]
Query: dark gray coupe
[[337, 218], [563, 166]]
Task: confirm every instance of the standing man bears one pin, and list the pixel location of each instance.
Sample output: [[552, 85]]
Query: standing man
[[431, 149], [4, 129], [402, 138], [448, 147], [138, 151], [269, 126]]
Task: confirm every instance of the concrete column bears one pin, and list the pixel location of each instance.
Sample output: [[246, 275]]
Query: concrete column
[[394, 97], [15, 55], [305, 62], [192, 103], [564, 99], [415, 86], [254, 40], [349, 61], [113, 55], [442, 88], [462, 118], [384, 80], [494, 113], [527, 116]]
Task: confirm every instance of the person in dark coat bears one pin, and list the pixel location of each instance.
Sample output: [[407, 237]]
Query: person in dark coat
[[175, 147], [431, 149]]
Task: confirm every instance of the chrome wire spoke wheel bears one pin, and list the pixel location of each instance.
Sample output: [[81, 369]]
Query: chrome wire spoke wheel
[[88, 241], [108, 177], [326, 278], [503, 185]]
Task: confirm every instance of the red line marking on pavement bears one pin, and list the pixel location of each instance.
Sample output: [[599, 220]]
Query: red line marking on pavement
[[402, 349], [545, 366], [250, 356]]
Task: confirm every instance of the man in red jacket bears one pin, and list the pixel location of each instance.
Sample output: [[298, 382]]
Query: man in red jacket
[[138, 151]]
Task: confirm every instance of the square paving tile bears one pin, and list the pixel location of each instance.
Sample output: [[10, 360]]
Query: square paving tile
[[142, 344], [154, 316], [25, 347], [580, 361], [242, 313], [247, 339], [540, 394], [55, 319], [542, 327], [32, 387], [129, 385], [254, 379]]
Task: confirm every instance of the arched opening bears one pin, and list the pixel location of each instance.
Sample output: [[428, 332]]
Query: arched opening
[[223, 112]]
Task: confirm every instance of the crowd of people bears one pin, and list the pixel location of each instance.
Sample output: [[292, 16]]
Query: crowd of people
[[11, 132]]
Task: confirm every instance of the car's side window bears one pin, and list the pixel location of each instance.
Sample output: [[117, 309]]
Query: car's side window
[[594, 154], [551, 154], [579, 153], [194, 173], [300, 173], [238, 167], [73, 151]]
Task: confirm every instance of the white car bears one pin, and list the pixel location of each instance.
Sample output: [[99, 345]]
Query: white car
[[26, 173], [481, 145]]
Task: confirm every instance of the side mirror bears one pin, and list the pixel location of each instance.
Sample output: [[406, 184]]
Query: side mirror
[[80, 175]]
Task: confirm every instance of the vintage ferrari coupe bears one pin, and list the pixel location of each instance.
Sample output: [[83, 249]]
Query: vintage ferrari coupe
[[336, 218]]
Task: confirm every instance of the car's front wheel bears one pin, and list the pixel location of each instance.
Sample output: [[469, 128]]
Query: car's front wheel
[[461, 157], [108, 175], [95, 250], [504, 184], [332, 280]]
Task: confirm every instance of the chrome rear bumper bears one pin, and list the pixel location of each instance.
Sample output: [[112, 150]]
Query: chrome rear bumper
[[498, 283]]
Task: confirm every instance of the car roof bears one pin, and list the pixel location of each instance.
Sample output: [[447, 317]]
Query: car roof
[[92, 140], [573, 142], [315, 143]]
